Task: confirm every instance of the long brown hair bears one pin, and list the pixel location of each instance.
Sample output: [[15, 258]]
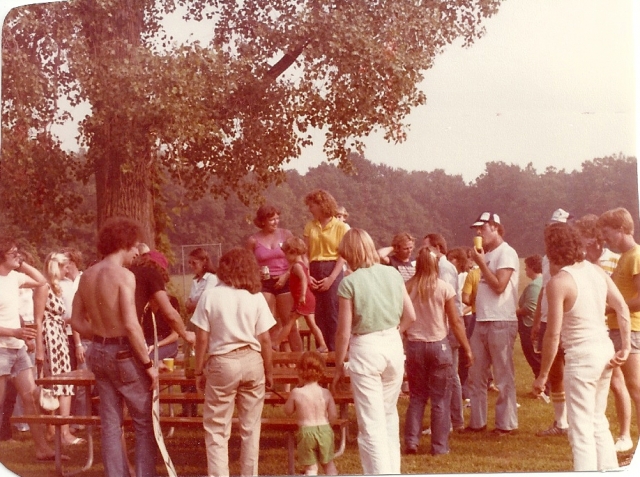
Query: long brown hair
[[426, 276]]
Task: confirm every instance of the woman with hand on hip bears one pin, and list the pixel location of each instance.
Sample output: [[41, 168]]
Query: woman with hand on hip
[[266, 245], [374, 311]]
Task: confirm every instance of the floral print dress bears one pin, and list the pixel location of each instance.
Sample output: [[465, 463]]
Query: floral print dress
[[57, 359]]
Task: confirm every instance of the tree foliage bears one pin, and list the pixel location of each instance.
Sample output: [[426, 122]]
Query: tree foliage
[[223, 117]]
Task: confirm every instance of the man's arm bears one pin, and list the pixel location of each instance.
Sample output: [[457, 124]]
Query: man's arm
[[35, 278], [616, 301], [161, 300], [127, 306], [384, 253], [79, 318]]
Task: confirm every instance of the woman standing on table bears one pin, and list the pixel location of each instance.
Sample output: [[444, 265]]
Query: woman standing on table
[[232, 328], [323, 235], [52, 345], [375, 309], [266, 245]]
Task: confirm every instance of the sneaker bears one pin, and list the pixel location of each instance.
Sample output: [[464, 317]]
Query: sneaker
[[624, 444], [426, 432], [552, 431]]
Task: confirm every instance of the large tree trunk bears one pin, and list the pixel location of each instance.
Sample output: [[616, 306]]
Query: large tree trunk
[[120, 146]]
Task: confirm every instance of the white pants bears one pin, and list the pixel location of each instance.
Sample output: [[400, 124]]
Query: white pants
[[376, 368], [586, 382]]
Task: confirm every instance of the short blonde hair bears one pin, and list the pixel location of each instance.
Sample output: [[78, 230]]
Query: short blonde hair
[[294, 245], [358, 249], [619, 218]]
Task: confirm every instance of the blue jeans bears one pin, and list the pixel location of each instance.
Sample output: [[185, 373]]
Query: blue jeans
[[120, 382], [326, 302], [429, 371]]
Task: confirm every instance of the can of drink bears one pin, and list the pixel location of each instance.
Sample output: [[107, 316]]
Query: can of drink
[[264, 273], [477, 242]]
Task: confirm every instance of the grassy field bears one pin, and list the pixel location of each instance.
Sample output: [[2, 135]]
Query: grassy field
[[475, 453]]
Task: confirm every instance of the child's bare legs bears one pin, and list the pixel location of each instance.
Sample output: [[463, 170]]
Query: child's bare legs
[[321, 346], [311, 469], [330, 468]]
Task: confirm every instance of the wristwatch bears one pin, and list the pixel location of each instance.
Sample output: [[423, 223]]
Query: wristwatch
[[148, 364]]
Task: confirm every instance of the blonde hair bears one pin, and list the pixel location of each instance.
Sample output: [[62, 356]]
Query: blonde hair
[[358, 249], [426, 276], [53, 270]]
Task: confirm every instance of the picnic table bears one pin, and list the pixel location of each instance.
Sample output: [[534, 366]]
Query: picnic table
[[283, 374]]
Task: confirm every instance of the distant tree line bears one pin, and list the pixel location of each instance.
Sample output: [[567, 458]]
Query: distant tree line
[[381, 199], [385, 200]]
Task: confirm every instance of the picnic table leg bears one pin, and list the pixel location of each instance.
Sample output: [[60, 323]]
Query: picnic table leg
[[89, 428], [58, 448], [291, 452]]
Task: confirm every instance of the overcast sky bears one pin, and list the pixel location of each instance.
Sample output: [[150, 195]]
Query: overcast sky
[[552, 83]]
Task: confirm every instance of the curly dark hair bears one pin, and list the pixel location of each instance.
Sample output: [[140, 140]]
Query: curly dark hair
[[238, 268], [563, 244], [118, 233], [534, 262], [264, 213], [311, 367]]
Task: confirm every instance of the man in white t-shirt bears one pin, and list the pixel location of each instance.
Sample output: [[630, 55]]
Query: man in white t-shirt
[[496, 327], [15, 363]]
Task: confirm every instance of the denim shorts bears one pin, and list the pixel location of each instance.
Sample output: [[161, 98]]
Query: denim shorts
[[13, 361], [617, 340], [269, 286]]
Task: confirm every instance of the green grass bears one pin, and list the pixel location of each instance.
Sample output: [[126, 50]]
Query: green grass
[[477, 453]]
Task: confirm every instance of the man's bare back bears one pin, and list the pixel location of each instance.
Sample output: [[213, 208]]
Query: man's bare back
[[104, 304], [101, 289]]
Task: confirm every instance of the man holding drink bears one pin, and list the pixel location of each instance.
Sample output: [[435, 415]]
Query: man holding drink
[[14, 361], [496, 326]]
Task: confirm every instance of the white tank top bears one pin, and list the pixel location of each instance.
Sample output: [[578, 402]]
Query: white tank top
[[584, 322]]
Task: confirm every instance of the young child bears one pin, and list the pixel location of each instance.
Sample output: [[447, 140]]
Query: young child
[[304, 303], [313, 406]]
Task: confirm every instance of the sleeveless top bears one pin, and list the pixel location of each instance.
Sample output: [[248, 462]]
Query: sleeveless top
[[274, 258], [584, 323]]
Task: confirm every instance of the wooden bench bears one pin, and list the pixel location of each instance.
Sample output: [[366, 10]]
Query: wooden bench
[[282, 424]]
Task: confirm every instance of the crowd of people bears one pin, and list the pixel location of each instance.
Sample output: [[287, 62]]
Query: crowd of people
[[447, 319]]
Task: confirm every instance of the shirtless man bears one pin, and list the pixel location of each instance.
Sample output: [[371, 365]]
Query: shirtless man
[[104, 310]]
